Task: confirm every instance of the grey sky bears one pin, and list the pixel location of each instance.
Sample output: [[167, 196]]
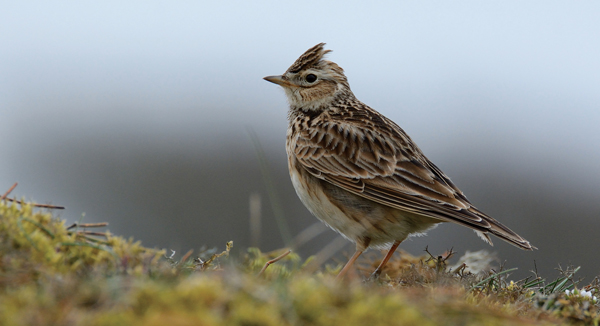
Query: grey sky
[[399, 56]]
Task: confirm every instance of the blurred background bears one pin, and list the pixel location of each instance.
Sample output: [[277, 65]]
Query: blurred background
[[138, 113]]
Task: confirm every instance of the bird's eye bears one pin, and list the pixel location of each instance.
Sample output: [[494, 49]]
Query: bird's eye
[[311, 78]]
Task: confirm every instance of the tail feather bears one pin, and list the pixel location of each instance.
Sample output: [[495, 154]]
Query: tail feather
[[498, 229]]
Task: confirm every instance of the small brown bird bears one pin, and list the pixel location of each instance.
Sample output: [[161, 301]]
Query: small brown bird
[[359, 172]]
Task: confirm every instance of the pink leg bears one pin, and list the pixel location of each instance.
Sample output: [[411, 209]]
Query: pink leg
[[349, 264], [387, 257]]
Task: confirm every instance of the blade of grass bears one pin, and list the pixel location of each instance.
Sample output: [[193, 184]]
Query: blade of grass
[[41, 227], [532, 284], [308, 234], [493, 276], [91, 245], [22, 229], [274, 199], [560, 286]]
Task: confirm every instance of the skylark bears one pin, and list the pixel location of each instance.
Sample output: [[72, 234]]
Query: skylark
[[359, 172]]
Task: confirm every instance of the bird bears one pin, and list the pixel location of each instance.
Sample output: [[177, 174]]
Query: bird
[[359, 173]]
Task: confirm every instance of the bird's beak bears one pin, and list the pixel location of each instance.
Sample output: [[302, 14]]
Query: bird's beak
[[279, 80]]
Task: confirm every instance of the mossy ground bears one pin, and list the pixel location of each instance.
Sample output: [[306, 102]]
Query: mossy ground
[[52, 275]]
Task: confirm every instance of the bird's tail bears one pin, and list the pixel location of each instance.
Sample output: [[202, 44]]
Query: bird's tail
[[498, 229]]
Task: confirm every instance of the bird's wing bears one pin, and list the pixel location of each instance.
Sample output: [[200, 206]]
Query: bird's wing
[[386, 167]]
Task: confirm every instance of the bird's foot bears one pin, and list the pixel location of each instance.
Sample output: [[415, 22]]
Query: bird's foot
[[374, 276]]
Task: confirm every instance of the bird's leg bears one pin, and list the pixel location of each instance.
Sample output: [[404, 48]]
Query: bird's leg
[[349, 264], [387, 257]]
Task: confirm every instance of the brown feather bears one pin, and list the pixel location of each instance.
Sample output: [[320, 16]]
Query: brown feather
[[335, 138]]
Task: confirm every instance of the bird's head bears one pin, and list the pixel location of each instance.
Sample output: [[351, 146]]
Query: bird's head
[[311, 83]]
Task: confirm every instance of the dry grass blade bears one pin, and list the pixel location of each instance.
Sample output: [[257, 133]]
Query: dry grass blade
[[327, 252], [187, 256], [308, 234], [35, 204], [5, 195], [87, 225], [255, 218], [274, 260], [493, 276], [8, 191], [204, 265], [85, 235], [100, 234], [272, 193]]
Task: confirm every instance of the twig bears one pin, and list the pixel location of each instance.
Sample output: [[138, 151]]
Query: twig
[[36, 205], [212, 258], [430, 255], [440, 261], [101, 234], [9, 191], [87, 225], [4, 197], [274, 260], [459, 270], [187, 255], [450, 254]]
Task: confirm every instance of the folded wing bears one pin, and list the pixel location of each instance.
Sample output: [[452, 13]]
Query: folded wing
[[385, 166]]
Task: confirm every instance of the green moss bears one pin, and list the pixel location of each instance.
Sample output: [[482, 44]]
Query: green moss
[[37, 241], [53, 276]]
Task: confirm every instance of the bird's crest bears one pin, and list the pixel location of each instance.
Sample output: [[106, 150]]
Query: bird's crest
[[309, 58]]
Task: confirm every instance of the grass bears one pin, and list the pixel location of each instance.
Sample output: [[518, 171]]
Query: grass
[[51, 274]]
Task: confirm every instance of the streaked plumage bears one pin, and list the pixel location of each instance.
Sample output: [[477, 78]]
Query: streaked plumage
[[359, 172]]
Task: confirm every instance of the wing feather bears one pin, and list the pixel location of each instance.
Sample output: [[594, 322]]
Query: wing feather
[[385, 166]]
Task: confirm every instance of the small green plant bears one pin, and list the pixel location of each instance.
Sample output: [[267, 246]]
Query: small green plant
[[52, 274]]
